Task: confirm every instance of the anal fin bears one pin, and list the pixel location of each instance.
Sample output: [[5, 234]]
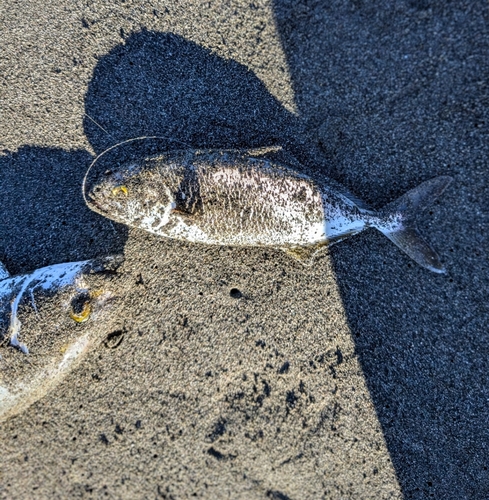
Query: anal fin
[[305, 255]]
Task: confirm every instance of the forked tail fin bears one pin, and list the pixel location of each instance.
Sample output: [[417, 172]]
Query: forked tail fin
[[403, 231]]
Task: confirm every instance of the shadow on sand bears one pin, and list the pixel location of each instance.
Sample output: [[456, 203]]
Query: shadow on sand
[[44, 218]]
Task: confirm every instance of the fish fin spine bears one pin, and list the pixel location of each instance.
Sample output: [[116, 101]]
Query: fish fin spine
[[262, 151]]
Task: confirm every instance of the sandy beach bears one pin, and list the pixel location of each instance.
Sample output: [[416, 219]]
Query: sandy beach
[[239, 373]]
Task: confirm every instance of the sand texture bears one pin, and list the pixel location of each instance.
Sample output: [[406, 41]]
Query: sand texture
[[237, 372]]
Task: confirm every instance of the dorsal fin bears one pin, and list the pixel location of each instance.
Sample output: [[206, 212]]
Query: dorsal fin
[[4, 274], [357, 201], [263, 151], [339, 188]]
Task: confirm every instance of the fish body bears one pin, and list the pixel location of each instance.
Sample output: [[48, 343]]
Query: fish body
[[39, 336], [246, 198]]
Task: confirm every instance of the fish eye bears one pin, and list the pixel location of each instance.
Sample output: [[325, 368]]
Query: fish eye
[[120, 189]]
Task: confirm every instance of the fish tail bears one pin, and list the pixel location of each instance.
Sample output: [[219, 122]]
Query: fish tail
[[401, 215]]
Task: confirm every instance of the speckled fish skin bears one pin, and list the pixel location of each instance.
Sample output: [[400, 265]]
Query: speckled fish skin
[[237, 197]]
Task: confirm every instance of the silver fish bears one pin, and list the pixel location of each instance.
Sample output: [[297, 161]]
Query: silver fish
[[39, 337], [246, 197]]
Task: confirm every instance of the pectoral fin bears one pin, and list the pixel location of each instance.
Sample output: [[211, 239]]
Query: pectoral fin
[[4, 274]]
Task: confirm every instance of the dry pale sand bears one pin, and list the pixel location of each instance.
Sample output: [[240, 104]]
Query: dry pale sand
[[240, 373]]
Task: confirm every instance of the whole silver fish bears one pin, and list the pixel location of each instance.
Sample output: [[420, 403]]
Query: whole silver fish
[[245, 197], [39, 336]]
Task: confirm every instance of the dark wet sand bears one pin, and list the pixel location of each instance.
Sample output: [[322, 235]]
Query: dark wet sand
[[362, 377]]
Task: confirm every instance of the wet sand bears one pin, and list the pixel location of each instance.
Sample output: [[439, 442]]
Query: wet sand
[[239, 373]]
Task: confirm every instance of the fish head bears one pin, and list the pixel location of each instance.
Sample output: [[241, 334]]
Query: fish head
[[49, 319], [134, 195]]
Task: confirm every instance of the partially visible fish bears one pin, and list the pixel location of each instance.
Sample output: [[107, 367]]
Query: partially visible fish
[[245, 197], [39, 337]]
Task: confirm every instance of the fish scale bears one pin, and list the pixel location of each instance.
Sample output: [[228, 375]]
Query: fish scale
[[229, 194]]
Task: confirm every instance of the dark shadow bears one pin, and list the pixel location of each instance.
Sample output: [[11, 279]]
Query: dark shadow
[[394, 94], [44, 219], [161, 84]]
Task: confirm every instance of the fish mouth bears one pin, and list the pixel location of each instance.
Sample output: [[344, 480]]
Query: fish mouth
[[93, 203]]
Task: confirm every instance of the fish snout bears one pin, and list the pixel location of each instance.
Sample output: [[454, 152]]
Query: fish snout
[[107, 188]]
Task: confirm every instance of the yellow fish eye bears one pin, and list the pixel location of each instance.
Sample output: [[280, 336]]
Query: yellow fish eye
[[84, 314], [118, 189]]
